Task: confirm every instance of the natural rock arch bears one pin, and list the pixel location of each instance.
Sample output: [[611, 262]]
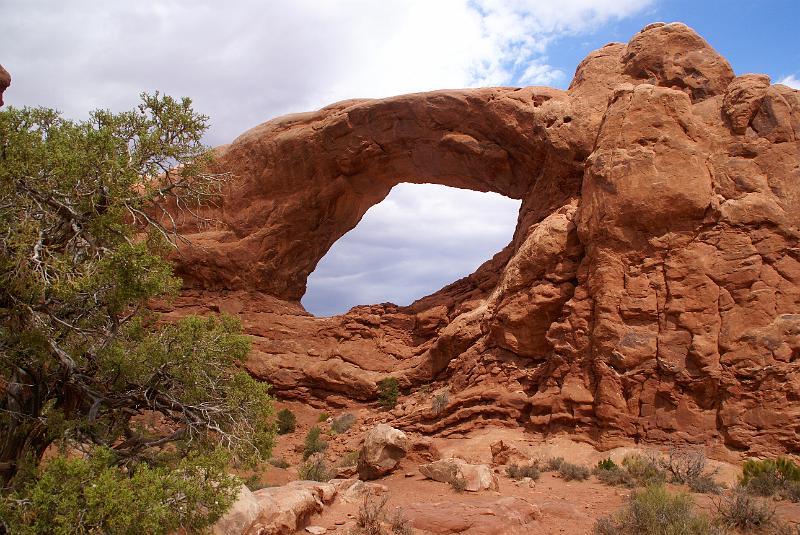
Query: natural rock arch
[[652, 288]]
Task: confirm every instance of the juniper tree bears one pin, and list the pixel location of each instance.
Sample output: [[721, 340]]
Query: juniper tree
[[84, 228]]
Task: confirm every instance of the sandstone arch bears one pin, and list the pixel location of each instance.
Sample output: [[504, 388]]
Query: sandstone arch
[[652, 288]]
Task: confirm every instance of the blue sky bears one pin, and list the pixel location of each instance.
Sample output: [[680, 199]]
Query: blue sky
[[246, 61], [755, 36]]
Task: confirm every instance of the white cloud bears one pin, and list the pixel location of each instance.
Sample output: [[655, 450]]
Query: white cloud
[[245, 61], [420, 238], [791, 81]]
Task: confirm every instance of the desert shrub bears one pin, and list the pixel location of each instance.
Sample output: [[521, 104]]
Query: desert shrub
[[683, 465], [770, 477], [553, 464], [644, 470], [342, 423], [615, 477], [323, 417], [399, 523], [255, 482], [655, 511], [287, 422], [349, 459], [521, 471], [705, 484], [459, 484], [388, 392], [606, 464], [739, 509], [313, 443], [570, 472], [791, 491], [370, 516], [782, 468], [279, 462], [440, 401], [94, 496], [314, 469]]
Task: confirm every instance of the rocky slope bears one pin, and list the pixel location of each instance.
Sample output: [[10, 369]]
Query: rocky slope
[[650, 292]]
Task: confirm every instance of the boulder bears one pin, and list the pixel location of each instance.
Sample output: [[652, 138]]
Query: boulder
[[382, 450], [287, 508], [476, 477], [240, 516], [482, 516]]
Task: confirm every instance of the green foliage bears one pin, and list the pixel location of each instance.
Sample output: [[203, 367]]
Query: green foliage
[[83, 237], [771, 477], [323, 417], [388, 392], [287, 421], [615, 477], [521, 471], [655, 511], [343, 422], [644, 470], [606, 464], [314, 469], [96, 496], [313, 443], [782, 468]]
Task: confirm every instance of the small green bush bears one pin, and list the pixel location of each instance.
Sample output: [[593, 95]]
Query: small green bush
[[323, 417], [738, 509], [615, 477], [782, 468], [606, 464], [342, 423], [655, 511], [287, 422], [644, 470], [314, 469], [95, 496], [570, 472], [521, 471], [388, 392], [313, 443]]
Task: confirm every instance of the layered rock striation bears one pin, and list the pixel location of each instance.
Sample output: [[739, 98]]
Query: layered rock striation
[[651, 289]]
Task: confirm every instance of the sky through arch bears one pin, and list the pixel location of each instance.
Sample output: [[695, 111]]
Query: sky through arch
[[417, 240]]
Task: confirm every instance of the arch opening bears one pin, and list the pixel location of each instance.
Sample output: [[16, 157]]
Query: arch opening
[[420, 238]]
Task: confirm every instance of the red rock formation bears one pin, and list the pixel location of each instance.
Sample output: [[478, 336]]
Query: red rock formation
[[5, 81], [651, 288]]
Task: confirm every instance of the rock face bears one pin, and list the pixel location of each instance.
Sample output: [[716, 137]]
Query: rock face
[[475, 477], [5, 81], [650, 291], [383, 448]]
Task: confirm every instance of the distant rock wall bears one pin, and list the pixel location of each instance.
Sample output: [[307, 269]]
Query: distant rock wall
[[651, 290]]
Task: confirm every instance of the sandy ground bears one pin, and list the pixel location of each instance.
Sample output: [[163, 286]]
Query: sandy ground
[[566, 507]]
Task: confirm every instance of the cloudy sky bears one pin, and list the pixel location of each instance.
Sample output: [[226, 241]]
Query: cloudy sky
[[245, 61]]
